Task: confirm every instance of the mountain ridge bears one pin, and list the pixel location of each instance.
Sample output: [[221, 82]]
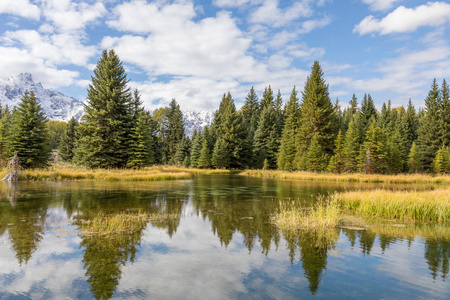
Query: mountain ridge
[[60, 107]]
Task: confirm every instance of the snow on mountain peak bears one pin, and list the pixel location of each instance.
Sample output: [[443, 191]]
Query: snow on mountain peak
[[55, 104]]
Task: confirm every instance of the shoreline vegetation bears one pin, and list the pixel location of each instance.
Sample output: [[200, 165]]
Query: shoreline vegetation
[[350, 177], [68, 172], [347, 209]]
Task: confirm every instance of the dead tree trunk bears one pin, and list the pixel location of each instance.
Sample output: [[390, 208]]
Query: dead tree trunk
[[12, 169]]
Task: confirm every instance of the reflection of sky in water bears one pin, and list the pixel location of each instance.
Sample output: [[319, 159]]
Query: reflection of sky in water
[[192, 264]]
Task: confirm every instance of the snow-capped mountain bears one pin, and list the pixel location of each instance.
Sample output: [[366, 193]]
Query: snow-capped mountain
[[55, 104], [196, 120], [60, 107]]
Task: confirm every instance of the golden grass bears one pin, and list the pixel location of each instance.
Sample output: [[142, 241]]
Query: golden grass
[[431, 205], [292, 216], [374, 178], [104, 224], [65, 172]]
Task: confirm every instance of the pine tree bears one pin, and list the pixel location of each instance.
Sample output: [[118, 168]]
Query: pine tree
[[267, 99], [414, 159], [441, 163], [29, 133], [365, 114], [204, 160], [373, 157], [140, 147], [316, 159], [174, 131], [317, 116], [251, 110], [68, 140], [183, 151], [445, 114], [279, 114], [350, 112], [105, 130], [231, 130], [336, 164], [412, 124], [221, 156], [429, 140], [196, 148], [287, 151], [351, 149], [5, 134], [266, 142]]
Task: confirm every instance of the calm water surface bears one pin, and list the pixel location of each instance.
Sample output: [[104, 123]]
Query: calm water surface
[[218, 245]]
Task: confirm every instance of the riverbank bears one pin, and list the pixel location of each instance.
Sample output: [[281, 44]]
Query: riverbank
[[67, 172], [372, 178]]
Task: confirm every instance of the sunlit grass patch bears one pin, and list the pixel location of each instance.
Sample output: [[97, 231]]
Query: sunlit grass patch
[[64, 172], [432, 205], [293, 216], [374, 178], [120, 223]]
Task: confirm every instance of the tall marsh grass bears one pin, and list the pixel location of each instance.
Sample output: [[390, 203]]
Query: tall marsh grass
[[432, 205], [65, 172], [373, 178], [293, 216]]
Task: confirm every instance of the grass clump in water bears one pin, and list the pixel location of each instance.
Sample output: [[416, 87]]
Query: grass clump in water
[[322, 215], [431, 205], [120, 223]]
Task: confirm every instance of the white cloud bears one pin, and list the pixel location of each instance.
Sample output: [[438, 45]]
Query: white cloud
[[270, 13], [234, 3], [377, 5], [433, 14], [15, 61], [69, 15], [21, 8], [310, 25], [56, 49]]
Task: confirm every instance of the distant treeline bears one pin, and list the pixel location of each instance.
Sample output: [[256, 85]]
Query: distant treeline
[[311, 133]]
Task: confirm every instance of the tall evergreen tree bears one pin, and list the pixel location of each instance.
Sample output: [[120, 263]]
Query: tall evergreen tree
[[350, 112], [364, 116], [412, 124], [317, 116], [29, 133], [429, 139], [174, 131], [221, 157], [373, 156], [68, 140], [267, 99], [183, 151], [316, 158], [351, 148], [287, 150], [140, 147], [444, 118], [414, 159], [204, 160], [105, 130], [337, 164], [266, 140], [196, 148], [5, 134], [441, 163]]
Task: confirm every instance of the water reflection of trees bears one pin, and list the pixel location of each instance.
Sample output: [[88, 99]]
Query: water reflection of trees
[[23, 218]]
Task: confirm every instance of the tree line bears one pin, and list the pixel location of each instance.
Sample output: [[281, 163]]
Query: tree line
[[309, 132]]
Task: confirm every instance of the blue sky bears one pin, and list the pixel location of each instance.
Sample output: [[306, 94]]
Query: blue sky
[[195, 51]]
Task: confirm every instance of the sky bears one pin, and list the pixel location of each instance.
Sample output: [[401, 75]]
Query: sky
[[195, 51]]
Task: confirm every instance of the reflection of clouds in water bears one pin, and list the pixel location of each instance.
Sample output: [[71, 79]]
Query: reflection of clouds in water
[[49, 273], [196, 265]]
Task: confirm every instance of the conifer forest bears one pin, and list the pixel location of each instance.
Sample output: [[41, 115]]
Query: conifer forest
[[307, 132]]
